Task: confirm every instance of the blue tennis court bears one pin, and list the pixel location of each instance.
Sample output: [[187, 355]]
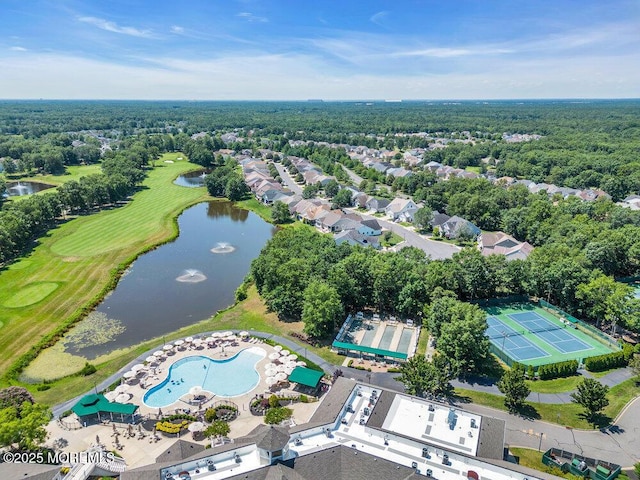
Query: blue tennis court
[[558, 335], [511, 342]]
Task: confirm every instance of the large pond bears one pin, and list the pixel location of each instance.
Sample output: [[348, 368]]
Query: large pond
[[191, 179], [16, 189], [178, 283]]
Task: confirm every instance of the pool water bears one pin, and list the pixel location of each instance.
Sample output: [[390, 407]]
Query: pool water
[[224, 378]]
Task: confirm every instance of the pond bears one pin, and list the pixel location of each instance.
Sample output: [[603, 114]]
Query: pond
[[178, 283], [16, 189], [191, 179]]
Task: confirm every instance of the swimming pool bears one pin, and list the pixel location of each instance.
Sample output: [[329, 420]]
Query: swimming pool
[[224, 378]]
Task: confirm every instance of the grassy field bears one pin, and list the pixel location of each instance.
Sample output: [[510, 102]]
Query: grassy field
[[557, 385], [82, 256], [568, 414]]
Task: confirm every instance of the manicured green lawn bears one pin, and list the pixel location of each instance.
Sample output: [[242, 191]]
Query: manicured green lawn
[[82, 257], [557, 385], [394, 239], [257, 207], [568, 414], [421, 349]]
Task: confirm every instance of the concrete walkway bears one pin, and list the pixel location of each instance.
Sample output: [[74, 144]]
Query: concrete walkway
[[620, 443]]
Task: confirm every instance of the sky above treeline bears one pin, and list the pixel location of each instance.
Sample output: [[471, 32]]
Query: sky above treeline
[[320, 49]]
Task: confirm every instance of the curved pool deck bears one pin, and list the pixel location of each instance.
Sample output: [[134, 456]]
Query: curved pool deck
[[230, 377]]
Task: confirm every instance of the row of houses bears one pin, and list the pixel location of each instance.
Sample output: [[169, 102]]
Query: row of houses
[[346, 227]]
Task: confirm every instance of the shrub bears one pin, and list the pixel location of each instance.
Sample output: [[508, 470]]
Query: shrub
[[43, 387], [277, 415], [171, 428], [210, 414], [303, 399], [87, 370], [557, 370], [274, 401], [605, 362]]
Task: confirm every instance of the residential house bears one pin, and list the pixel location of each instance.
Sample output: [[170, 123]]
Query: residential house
[[381, 167], [438, 220], [401, 210], [499, 243], [632, 202], [399, 172], [370, 228], [456, 226], [352, 237], [433, 166], [377, 205], [361, 200]]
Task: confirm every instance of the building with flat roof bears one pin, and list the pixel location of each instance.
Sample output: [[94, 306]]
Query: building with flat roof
[[358, 432]]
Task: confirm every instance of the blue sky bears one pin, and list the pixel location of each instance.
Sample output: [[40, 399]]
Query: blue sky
[[300, 49]]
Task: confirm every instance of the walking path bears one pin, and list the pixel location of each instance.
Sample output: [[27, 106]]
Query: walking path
[[620, 443]]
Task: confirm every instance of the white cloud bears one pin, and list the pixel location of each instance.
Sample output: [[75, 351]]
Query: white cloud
[[177, 29], [115, 28], [251, 18], [298, 77], [18, 49], [379, 17]]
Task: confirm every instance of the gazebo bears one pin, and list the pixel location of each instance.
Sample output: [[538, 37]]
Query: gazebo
[[306, 377], [98, 405]]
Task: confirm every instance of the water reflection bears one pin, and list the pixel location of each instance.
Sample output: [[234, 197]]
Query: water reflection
[[226, 209], [183, 282], [16, 189]]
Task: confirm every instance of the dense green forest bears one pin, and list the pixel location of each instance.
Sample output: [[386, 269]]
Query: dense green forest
[[590, 144], [594, 144]]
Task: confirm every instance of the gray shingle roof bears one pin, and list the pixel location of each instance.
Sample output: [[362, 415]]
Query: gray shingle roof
[[272, 438], [179, 451], [491, 441], [333, 401], [28, 471]]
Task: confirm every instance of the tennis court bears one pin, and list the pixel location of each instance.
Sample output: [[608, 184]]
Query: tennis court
[[531, 335], [514, 344]]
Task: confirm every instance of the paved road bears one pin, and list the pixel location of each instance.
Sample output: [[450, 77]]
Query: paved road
[[620, 443], [355, 178], [288, 181], [436, 250]]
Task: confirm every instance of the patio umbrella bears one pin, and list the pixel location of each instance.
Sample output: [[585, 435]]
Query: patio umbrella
[[129, 374], [301, 364], [277, 348], [158, 353], [244, 334], [228, 333], [270, 381], [123, 398], [288, 370], [195, 390], [188, 339], [284, 353], [232, 337], [210, 339], [274, 356], [290, 364], [151, 359], [197, 341], [281, 376], [137, 367], [196, 427], [177, 343], [217, 334], [167, 347], [281, 368], [122, 389], [110, 396], [292, 356]]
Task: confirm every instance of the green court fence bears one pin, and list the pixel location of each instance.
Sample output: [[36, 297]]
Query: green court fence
[[501, 355], [492, 302], [583, 326]]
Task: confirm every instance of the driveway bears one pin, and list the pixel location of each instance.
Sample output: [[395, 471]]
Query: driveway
[[289, 182], [436, 250]]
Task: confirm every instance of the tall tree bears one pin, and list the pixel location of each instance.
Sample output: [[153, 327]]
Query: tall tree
[[322, 309], [592, 396], [422, 217], [280, 212], [24, 425], [515, 389]]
